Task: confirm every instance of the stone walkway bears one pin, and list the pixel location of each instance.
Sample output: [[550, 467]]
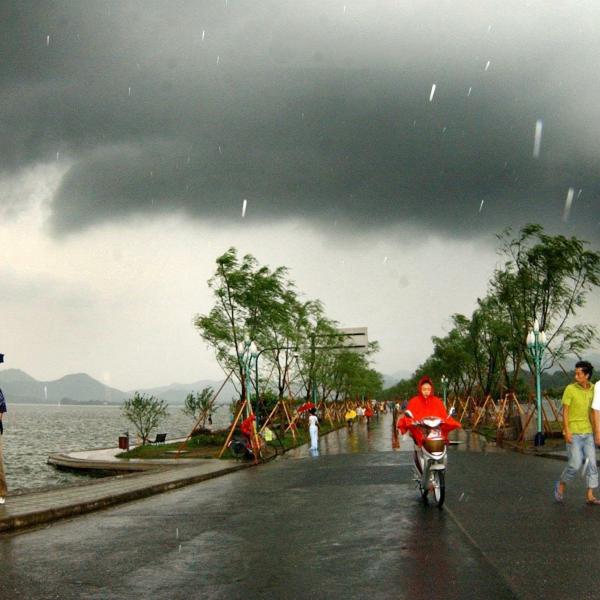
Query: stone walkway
[[36, 508]]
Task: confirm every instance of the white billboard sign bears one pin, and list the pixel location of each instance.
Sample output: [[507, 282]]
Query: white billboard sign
[[355, 338]]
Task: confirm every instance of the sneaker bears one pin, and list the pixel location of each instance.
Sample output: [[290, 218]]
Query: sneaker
[[2, 500]]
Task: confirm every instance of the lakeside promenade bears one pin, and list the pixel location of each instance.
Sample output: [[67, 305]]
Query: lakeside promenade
[[35, 508], [345, 524]]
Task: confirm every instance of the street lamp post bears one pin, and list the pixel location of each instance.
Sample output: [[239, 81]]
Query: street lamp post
[[536, 344], [444, 387]]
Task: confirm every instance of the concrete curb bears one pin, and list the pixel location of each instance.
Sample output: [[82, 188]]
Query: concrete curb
[[65, 502], [64, 461], [551, 455], [46, 515]]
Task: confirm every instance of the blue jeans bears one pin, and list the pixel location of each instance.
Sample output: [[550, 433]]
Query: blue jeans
[[580, 449]]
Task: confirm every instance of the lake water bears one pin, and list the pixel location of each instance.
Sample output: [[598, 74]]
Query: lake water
[[33, 431]]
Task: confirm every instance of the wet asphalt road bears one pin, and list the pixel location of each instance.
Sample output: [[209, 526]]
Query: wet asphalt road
[[345, 524]]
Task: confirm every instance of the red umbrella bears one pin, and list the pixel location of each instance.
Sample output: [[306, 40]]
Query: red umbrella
[[306, 406]]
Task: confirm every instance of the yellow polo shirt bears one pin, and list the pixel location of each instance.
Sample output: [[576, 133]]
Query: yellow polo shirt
[[579, 401]]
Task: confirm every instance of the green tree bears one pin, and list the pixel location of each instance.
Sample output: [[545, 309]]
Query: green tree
[[247, 299], [145, 413], [548, 278], [200, 406]]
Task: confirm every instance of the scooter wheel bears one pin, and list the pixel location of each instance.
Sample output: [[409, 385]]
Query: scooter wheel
[[439, 488]]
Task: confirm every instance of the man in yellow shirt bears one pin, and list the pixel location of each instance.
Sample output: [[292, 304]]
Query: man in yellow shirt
[[578, 431]]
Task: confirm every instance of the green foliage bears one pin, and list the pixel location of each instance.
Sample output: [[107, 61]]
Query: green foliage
[[298, 343], [216, 439], [547, 277], [544, 277], [200, 406], [145, 413]]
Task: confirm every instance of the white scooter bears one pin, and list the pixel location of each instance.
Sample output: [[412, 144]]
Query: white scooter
[[431, 459]]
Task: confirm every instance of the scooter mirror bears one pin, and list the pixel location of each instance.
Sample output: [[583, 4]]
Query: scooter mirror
[[408, 414], [451, 412]]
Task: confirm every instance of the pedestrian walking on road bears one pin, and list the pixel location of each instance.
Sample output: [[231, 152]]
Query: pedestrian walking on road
[[313, 429], [349, 417], [579, 433], [3, 489]]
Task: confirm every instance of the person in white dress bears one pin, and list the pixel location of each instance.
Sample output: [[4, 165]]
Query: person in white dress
[[313, 429]]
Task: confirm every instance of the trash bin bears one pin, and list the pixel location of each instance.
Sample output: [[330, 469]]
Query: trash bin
[[124, 442]]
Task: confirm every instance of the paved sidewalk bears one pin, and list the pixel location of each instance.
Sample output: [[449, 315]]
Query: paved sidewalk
[[28, 510], [105, 460]]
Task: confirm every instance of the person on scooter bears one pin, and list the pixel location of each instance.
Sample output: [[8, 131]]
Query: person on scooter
[[425, 404]]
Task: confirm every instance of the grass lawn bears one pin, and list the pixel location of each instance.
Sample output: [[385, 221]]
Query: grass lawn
[[209, 446]]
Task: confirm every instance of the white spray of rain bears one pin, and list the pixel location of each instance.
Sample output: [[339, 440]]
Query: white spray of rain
[[344, 9], [481, 205], [487, 65], [58, 156], [129, 91], [177, 533], [432, 92], [489, 28], [385, 259], [244, 205], [45, 393], [568, 203], [579, 193], [537, 139], [218, 59], [444, 129], [220, 151], [203, 33], [469, 92], [47, 40], [461, 497]]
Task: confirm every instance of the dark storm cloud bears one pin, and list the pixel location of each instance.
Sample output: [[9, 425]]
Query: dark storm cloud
[[312, 109]]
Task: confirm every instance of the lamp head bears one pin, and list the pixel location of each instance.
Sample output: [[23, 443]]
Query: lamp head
[[536, 326]]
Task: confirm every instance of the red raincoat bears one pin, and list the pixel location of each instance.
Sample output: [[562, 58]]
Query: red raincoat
[[246, 426], [421, 408]]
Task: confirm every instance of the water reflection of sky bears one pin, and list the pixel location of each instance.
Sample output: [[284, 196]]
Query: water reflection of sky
[[32, 431]]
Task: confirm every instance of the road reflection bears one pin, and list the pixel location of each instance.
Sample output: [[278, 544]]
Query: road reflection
[[379, 436]]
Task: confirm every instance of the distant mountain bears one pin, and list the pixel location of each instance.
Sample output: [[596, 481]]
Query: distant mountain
[[18, 386], [80, 388], [390, 380], [176, 393]]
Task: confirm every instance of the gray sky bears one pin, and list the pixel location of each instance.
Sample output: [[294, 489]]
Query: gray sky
[[133, 131]]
